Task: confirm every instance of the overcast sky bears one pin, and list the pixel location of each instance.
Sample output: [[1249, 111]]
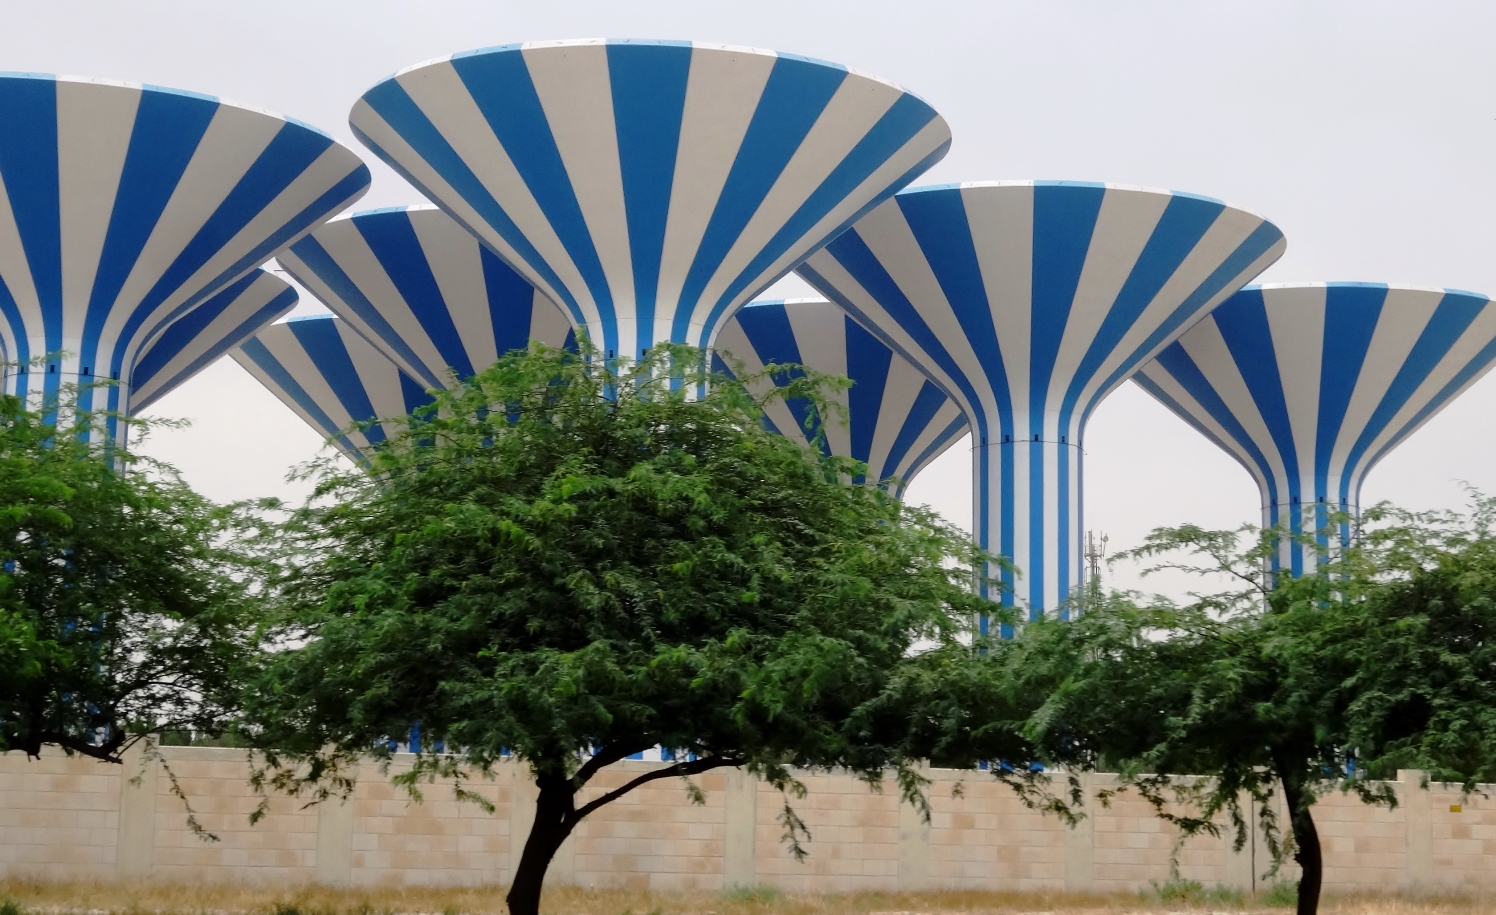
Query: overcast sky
[[1365, 130]]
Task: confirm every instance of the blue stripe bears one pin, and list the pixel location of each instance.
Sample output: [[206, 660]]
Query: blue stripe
[[1351, 316], [501, 87], [1178, 364], [511, 304], [868, 362], [1474, 368], [954, 430], [926, 404], [12, 313], [325, 346], [1064, 220], [767, 327], [649, 99], [343, 192], [792, 100], [181, 333], [28, 164], [398, 110], [1249, 338], [412, 394], [165, 137], [396, 246], [325, 267]]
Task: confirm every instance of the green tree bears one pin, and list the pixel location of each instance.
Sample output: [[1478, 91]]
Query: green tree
[[1330, 681], [125, 597], [572, 564]]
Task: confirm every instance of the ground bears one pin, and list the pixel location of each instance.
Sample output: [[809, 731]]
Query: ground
[[21, 897]]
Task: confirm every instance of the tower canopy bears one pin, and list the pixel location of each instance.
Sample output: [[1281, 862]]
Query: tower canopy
[[1028, 302], [124, 207], [649, 188], [423, 290], [192, 342], [1308, 386], [332, 378], [896, 420]]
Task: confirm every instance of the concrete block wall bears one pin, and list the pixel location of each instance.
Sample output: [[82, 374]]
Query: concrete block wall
[[66, 818]]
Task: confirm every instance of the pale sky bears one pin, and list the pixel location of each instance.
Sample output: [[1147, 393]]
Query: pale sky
[[1364, 130]]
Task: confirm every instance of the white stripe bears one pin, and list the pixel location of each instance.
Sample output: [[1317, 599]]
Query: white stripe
[[255, 297], [94, 124], [548, 323], [15, 272], [1002, 232], [346, 245], [576, 96], [1477, 336], [899, 393], [884, 178], [722, 94], [456, 262], [820, 332], [1225, 235], [887, 234], [1296, 322]]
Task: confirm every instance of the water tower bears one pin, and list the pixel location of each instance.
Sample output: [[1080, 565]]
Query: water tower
[[649, 188], [422, 289], [128, 207], [1027, 303], [1308, 386]]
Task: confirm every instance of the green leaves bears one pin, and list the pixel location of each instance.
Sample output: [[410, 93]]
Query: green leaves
[[1384, 659], [126, 600], [561, 556]]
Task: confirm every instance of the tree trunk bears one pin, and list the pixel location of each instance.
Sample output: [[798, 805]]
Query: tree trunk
[[553, 823], [1306, 839]]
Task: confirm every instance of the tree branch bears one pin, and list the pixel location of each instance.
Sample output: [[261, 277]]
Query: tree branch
[[603, 758], [694, 767]]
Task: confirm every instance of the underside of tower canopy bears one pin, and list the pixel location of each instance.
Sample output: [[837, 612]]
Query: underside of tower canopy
[[424, 291], [893, 419], [1027, 303]]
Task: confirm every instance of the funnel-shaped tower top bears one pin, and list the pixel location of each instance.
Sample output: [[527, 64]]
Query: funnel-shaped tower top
[[125, 207], [1308, 386], [422, 289], [332, 378], [649, 188], [194, 341], [896, 419], [1028, 302]]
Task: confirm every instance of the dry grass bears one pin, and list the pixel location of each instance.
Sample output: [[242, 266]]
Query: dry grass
[[202, 899]]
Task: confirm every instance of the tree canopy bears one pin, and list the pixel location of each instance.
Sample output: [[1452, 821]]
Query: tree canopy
[[125, 597], [1384, 659], [571, 562]]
